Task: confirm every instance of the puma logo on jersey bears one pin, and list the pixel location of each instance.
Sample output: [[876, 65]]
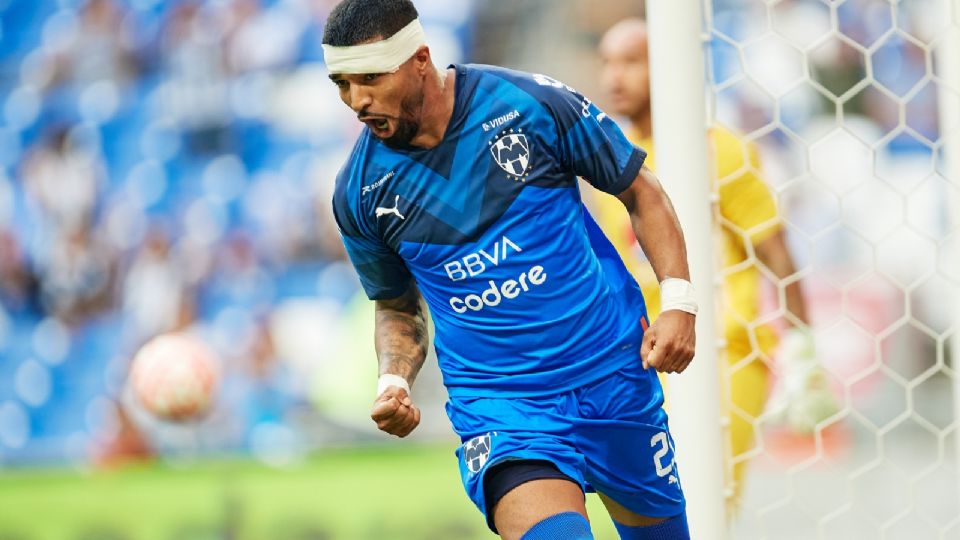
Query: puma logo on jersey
[[381, 211]]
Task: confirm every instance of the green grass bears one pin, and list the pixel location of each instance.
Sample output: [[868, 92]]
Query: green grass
[[389, 493]]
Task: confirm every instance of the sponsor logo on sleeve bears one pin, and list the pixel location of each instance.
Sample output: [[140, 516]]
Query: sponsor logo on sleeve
[[383, 179]]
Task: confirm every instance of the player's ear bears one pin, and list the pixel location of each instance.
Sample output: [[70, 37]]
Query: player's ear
[[421, 59]]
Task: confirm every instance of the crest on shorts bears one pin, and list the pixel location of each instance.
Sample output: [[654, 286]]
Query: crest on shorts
[[476, 451], [511, 151]]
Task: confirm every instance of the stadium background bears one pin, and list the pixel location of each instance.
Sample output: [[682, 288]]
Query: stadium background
[[168, 165]]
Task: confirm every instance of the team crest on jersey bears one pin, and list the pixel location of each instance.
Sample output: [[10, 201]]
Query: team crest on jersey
[[511, 151], [476, 451]]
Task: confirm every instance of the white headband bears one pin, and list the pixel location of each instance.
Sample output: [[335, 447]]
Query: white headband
[[384, 56]]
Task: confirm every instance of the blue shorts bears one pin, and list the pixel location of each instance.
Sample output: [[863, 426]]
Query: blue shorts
[[609, 436]]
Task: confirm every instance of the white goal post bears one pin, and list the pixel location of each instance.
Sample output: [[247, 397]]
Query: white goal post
[[679, 122], [948, 63]]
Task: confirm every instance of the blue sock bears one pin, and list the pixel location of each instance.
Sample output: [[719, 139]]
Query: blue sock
[[565, 526], [674, 528]]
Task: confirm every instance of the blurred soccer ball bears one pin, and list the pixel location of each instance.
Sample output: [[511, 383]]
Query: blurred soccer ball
[[175, 377]]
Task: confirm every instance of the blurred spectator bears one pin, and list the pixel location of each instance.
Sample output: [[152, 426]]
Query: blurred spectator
[[240, 278], [196, 93], [18, 286], [63, 176], [77, 280], [98, 50], [154, 290], [264, 38], [95, 48]]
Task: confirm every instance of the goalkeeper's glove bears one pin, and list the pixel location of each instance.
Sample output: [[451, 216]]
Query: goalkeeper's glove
[[802, 397]]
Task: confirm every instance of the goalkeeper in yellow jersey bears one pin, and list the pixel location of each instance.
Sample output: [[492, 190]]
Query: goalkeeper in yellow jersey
[[749, 225]]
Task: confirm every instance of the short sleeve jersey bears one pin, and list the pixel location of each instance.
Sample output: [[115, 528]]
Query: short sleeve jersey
[[527, 295]]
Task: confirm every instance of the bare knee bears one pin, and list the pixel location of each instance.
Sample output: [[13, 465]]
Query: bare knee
[[623, 516]]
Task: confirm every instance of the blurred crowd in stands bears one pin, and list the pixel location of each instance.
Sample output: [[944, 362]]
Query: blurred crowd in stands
[[163, 166]]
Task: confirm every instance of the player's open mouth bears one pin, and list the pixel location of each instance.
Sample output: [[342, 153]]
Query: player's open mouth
[[380, 126]]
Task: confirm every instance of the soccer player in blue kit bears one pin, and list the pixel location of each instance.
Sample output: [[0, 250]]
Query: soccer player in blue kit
[[462, 191]]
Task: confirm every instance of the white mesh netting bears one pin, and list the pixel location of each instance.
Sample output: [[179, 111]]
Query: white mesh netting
[[848, 107]]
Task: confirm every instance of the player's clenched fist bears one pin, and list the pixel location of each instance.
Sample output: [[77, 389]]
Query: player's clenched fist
[[395, 413], [668, 344]]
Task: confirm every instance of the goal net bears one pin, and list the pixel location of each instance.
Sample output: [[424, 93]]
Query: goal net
[[847, 110]]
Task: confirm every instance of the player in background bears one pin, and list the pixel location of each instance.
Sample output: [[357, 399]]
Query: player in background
[[749, 225], [462, 192]]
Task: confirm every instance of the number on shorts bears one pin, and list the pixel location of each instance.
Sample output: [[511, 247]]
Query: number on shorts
[[661, 439]]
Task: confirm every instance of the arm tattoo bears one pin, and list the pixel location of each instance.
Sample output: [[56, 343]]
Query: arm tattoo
[[401, 335]]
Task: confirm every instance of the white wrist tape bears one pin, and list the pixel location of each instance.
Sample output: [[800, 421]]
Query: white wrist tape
[[678, 294], [389, 379], [384, 56]]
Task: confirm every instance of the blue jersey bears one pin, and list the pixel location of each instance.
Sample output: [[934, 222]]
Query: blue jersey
[[527, 295]]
